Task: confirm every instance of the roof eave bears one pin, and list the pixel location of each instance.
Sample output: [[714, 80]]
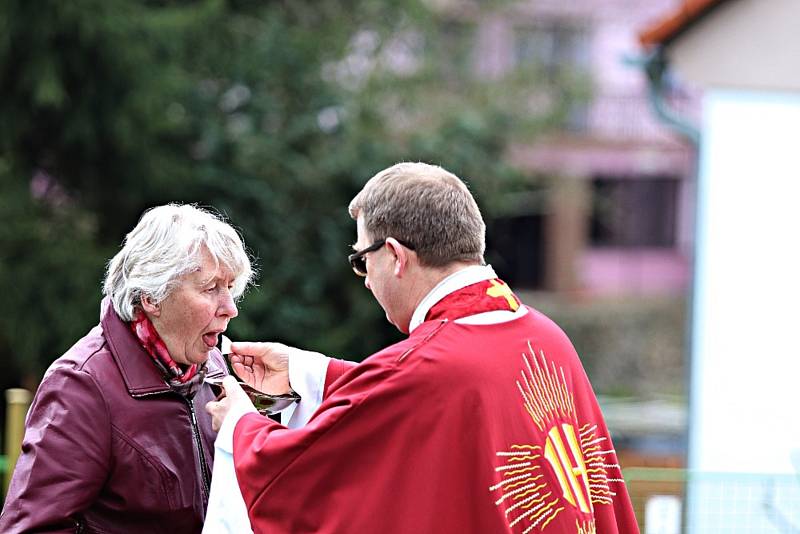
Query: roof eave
[[669, 28]]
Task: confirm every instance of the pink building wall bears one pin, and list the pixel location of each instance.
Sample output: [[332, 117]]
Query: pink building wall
[[622, 139]]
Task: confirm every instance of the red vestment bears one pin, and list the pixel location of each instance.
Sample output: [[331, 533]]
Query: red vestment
[[483, 428]]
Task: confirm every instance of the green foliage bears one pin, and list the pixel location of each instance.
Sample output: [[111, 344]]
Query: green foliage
[[274, 113], [50, 268]]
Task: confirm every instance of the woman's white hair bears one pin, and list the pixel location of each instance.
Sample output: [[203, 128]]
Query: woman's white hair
[[167, 243]]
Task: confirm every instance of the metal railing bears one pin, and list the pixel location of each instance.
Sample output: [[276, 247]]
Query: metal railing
[[629, 116], [677, 501]]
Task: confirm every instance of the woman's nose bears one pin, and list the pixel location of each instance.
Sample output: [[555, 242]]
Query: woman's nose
[[228, 305]]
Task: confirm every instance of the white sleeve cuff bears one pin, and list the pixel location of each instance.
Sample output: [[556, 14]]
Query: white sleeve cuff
[[227, 512], [224, 439], [307, 371]]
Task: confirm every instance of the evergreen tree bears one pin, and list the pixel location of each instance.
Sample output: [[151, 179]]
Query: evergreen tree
[[274, 113]]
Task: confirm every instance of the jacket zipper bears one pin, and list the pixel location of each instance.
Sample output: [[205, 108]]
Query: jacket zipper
[[203, 467]]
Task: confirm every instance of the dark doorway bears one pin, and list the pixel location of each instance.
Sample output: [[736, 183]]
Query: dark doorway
[[515, 248]]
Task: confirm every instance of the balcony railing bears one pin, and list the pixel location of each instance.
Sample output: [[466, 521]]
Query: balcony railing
[[631, 117]]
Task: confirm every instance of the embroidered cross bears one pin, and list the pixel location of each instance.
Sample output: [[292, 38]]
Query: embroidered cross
[[501, 289]]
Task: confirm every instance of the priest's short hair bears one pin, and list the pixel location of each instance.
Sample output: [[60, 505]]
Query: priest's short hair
[[426, 206]]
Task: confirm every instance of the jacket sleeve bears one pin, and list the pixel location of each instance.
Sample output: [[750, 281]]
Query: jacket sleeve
[[336, 368], [65, 455]]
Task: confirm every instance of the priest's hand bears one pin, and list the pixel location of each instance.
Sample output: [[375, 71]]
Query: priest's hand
[[233, 401], [265, 366]]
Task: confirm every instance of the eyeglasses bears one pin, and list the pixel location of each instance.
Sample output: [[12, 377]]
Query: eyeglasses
[[358, 261]]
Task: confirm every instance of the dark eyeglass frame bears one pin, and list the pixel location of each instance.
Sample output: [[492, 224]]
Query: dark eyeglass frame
[[358, 261]]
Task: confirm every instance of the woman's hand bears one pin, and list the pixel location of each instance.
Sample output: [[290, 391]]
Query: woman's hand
[[233, 399]]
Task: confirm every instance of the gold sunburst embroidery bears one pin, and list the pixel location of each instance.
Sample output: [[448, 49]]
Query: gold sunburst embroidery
[[587, 527], [578, 460]]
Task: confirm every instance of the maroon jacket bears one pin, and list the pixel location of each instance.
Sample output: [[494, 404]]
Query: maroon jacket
[[109, 447]]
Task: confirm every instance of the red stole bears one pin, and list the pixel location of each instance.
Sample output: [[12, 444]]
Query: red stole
[[480, 297]]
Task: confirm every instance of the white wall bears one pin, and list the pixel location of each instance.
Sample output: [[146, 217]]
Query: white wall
[[746, 43], [745, 390]]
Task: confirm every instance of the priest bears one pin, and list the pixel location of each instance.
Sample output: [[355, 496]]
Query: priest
[[482, 420]]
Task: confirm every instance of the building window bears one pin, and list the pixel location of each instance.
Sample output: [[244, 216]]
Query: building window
[[634, 212], [554, 47], [559, 52]]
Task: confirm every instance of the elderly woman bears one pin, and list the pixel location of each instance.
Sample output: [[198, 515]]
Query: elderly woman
[[117, 439]]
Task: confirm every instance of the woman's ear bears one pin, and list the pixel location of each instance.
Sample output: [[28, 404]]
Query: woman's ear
[[150, 306]]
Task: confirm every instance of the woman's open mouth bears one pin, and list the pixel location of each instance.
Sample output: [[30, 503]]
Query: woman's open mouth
[[211, 339]]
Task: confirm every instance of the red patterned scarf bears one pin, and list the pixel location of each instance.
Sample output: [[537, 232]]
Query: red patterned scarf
[[182, 379]]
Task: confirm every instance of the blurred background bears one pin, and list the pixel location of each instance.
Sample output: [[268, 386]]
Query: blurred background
[[276, 113]]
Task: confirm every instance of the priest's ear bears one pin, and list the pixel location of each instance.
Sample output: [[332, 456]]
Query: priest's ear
[[403, 256]]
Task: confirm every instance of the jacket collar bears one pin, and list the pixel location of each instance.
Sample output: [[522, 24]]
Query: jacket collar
[[140, 374]]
